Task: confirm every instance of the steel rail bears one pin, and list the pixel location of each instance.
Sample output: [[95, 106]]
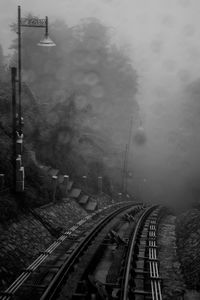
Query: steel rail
[[153, 264], [130, 252], [14, 287], [58, 279], [148, 218]]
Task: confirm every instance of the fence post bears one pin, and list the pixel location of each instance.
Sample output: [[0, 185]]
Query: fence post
[[2, 177], [19, 144], [85, 181], [65, 182], [18, 162], [100, 184], [20, 179], [54, 184]]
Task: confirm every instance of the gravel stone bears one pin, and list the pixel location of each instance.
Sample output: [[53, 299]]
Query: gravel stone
[[173, 286]]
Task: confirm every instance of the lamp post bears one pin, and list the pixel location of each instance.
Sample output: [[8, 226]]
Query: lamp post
[[17, 128], [46, 41]]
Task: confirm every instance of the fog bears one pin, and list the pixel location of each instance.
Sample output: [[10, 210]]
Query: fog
[[162, 37]]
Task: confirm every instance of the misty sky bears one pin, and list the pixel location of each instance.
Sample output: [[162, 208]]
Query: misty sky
[[163, 39]]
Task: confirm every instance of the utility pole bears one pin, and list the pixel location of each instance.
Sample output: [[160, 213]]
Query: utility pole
[[126, 158], [14, 124], [128, 150], [124, 169], [19, 72]]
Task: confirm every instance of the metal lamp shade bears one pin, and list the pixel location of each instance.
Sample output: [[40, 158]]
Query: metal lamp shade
[[46, 42]]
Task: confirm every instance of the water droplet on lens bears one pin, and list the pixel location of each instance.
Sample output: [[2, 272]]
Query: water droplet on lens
[[81, 101], [91, 78]]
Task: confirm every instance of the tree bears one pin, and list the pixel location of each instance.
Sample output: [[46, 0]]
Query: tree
[[86, 86]]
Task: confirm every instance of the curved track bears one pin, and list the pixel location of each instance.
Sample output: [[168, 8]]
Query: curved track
[[138, 276], [141, 278], [64, 272], [51, 263]]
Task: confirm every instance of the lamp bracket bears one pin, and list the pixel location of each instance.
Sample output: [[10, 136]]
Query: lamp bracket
[[33, 22]]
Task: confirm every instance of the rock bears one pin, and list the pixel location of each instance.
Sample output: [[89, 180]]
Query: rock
[[22, 241]]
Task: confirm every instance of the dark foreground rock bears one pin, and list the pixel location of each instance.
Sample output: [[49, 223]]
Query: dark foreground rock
[[188, 245], [22, 241]]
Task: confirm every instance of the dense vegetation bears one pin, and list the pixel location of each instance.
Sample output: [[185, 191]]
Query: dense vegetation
[[78, 98]]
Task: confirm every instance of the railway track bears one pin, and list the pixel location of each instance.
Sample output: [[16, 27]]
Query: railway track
[[70, 274], [141, 278], [138, 277], [53, 263], [72, 263]]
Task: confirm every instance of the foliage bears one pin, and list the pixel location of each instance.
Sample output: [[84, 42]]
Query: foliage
[[86, 86], [77, 101]]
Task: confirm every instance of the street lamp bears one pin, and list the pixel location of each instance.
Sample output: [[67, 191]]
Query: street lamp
[[46, 41]]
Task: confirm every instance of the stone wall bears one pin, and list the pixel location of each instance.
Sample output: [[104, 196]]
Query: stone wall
[[22, 241]]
